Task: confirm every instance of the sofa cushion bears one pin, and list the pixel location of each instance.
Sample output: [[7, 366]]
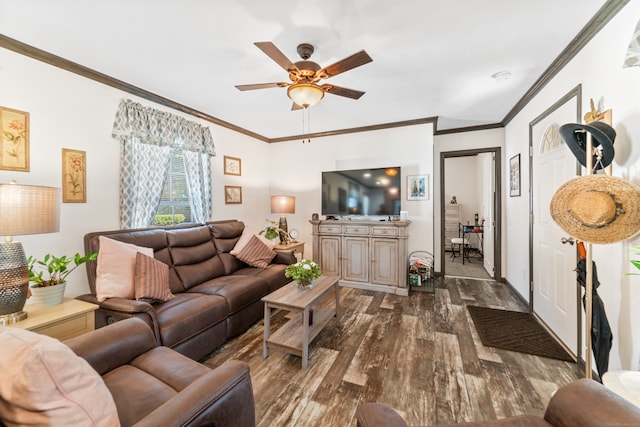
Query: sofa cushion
[[150, 380], [116, 266], [44, 383], [273, 275], [188, 315], [256, 253], [239, 291], [194, 256], [151, 279]]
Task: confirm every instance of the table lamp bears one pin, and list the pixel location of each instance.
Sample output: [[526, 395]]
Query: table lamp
[[24, 209], [283, 205]]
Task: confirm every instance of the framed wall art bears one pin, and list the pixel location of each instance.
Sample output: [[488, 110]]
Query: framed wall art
[[417, 187], [74, 176], [232, 194], [232, 166], [514, 176], [14, 140]]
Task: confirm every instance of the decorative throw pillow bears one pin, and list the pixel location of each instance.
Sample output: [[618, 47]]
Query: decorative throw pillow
[[44, 382], [116, 264], [247, 234], [151, 279], [256, 253]]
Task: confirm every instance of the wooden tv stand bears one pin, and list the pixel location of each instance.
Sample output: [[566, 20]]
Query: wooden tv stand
[[365, 254]]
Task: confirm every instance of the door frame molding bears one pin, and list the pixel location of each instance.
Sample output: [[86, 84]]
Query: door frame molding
[[577, 93], [497, 244]]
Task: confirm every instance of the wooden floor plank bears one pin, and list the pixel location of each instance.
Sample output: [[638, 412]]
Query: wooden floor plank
[[419, 354]]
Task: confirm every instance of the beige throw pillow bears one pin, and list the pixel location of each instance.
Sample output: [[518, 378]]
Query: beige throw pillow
[[115, 270], [247, 234], [256, 253], [151, 279], [43, 382]]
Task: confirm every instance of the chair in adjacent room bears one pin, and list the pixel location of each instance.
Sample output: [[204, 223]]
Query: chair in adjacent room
[[460, 246]]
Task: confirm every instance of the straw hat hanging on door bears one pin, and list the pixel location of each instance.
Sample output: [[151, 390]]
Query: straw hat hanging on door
[[597, 208]]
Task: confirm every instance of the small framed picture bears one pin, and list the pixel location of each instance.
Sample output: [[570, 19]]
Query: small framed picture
[[14, 140], [232, 166], [417, 187], [514, 176], [232, 194], [74, 176]]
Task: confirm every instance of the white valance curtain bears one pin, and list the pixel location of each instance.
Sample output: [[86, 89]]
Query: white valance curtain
[[147, 136]]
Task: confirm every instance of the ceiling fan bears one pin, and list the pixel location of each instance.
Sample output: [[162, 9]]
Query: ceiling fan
[[304, 89]]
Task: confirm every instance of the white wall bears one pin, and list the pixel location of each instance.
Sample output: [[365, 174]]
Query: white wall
[[296, 170], [598, 67], [461, 180]]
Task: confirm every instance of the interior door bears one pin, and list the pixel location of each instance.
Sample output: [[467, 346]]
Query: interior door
[[554, 288]]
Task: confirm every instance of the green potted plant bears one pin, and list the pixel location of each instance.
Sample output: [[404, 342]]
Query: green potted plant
[[273, 230], [48, 276], [304, 272]]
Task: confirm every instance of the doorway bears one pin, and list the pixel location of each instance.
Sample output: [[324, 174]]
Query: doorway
[[480, 186]]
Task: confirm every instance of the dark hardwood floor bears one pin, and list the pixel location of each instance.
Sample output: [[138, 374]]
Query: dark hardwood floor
[[419, 354]]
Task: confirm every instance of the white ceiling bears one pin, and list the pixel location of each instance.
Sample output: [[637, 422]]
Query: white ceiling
[[430, 58]]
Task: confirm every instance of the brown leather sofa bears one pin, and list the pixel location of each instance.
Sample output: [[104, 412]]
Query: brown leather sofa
[[217, 296], [584, 403], [156, 386]]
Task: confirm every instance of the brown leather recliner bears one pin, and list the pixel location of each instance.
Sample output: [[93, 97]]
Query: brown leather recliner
[[157, 386], [583, 403]]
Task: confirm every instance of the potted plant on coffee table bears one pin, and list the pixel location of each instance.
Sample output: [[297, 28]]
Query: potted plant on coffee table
[[48, 276], [304, 272]]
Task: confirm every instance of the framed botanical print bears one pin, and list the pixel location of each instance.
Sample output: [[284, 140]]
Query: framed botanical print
[[232, 194], [14, 140], [232, 166], [74, 176]]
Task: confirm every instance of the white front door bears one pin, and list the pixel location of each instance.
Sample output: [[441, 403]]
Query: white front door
[[554, 284]]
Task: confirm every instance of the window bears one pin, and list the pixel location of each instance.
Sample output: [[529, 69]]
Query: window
[[175, 206]]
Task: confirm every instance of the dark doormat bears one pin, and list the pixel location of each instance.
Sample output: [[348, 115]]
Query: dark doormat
[[515, 331]]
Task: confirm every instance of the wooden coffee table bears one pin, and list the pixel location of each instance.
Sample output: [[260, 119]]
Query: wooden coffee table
[[294, 337]]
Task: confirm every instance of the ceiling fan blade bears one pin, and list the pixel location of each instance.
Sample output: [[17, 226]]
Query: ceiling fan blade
[[295, 107], [274, 53], [342, 91], [261, 86], [353, 61]]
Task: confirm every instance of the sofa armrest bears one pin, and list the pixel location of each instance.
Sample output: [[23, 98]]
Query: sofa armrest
[[587, 403], [286, 258], [223, 397], [378, 414], [114, 345]]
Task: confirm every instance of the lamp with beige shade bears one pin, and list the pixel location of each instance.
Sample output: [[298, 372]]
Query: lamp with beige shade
[[24, 209]]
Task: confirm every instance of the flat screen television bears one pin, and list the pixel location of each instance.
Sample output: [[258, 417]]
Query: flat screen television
[[362, 192]]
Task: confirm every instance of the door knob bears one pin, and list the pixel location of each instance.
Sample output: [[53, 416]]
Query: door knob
[[569, 240]]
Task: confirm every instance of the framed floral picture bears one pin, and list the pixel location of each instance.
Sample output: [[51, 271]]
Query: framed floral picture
[[74, 176], [232, 194], [14, 141], [232, 166], [418, 187]]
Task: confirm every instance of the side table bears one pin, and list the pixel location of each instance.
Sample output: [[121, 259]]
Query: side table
[[68, 319], [295, 247]]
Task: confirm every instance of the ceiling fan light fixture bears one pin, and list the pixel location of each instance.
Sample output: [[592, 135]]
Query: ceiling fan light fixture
[[305, 94]]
